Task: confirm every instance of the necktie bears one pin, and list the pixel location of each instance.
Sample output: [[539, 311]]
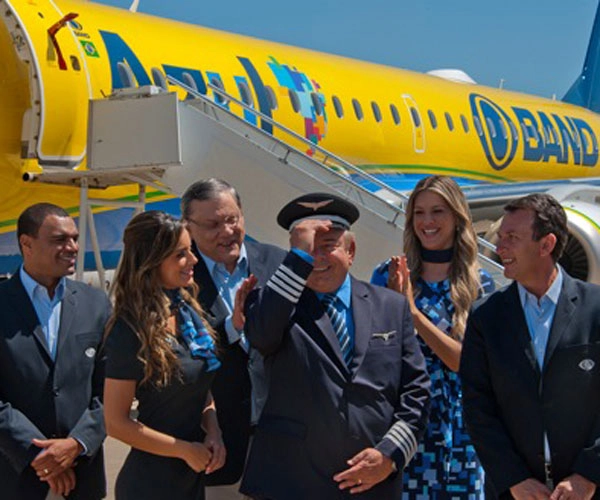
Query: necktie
[[339, 327]]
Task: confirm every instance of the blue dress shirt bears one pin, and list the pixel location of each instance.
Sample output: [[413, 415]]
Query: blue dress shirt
[[227, 285], [539, 315], [47, 309]]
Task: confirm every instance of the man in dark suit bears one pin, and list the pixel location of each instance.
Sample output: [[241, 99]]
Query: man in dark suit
[[531, 366], [213, 210], [51, 376], [348, 394]]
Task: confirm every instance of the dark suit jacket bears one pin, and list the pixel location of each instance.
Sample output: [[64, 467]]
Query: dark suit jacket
[[509, 402], [44, 399], [320, 413], [231, 387]]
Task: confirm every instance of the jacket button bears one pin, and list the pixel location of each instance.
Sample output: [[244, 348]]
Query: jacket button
[[55, 392]]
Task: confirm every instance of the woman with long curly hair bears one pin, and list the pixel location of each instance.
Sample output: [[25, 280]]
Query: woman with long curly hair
[[161, 352], [440, 276]]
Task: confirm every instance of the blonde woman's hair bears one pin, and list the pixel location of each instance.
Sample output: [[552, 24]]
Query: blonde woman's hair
[[464, 268], [139, 299]]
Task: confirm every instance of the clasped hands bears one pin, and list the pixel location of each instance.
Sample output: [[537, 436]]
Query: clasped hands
[[54, 464], [367, 468], [573, 487]]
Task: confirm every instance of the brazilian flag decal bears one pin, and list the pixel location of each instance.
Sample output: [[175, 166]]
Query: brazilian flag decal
[[89, 48]]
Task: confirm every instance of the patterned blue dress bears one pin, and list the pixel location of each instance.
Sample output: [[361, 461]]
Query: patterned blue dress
[[445, 465]]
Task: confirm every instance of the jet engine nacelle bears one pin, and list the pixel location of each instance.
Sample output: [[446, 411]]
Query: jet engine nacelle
[[581, 258]]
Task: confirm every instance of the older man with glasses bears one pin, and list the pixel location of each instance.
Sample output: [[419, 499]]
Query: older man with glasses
[[213, 210]]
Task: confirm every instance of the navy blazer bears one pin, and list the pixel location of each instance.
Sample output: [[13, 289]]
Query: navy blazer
[[231, 387], [509, 402], [44, 399], [320, 412]]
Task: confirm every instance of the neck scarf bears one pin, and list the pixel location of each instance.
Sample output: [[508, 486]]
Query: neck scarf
[[193, 331], [437, 256]]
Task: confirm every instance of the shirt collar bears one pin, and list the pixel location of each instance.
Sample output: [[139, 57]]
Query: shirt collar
[[343, 293], [211, 264], [32, 287], [552, 294]]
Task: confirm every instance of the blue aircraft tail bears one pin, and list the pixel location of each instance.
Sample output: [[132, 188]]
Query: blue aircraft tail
[[586, 89]]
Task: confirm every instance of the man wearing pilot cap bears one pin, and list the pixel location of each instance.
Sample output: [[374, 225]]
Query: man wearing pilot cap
[[348, 398]]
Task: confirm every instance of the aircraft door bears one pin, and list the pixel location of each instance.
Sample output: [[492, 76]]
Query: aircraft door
[[54, 127], [417, 123]]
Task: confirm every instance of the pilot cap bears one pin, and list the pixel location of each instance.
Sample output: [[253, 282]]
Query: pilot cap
[[321, 206]]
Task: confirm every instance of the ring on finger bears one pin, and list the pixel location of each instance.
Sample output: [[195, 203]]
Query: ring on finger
[[46, 471], [359, 482]]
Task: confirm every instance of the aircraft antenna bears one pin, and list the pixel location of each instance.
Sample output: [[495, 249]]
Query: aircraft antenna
[[134, 6]]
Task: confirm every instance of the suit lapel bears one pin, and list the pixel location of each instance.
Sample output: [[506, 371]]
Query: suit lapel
[[67, 313], [256, 263], [22, 305], [516, 327], [563, 316], [361, 314], [207, 294]]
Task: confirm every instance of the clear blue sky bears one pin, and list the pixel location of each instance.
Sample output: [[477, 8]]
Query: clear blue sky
[[536, 46]]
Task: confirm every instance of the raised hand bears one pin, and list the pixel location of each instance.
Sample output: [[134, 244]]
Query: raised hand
[[238, 317], [303, 234]]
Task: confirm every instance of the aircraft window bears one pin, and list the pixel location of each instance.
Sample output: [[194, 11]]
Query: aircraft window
[[503, 129], [337, 104], [449, 121], [189, 81], [477, 125], [415, 117], [491, 127], [465, 123], [534, 133], [316, 103], [568, 138], [158, 78], [395, 114], [125, 75], [75, 63], [271, 97], [513, 129], [219, 99], [376, 111], [245, 94], [432, 118], [294, 100], [357, 109]]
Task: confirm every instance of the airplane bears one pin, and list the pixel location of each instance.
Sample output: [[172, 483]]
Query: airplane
[[397, 125]]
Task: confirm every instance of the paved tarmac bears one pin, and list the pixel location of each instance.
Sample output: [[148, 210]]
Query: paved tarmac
[[114, 455]]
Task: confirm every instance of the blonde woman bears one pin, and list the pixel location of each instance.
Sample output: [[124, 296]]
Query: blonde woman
[[440, 249], [161, 352]]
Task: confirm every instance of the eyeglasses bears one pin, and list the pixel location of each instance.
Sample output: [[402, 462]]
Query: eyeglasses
[[215, 226]]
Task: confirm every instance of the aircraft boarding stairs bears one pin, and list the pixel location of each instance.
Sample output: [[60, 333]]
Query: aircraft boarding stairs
[[148, 136]]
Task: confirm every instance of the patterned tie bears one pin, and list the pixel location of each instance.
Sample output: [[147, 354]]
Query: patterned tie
[[339, 327]]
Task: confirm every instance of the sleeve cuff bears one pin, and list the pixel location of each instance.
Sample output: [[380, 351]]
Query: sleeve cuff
[[305, 256], [233, 335], [399, 443]]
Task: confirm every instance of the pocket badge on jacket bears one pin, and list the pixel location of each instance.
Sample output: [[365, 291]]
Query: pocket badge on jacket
[[587, 364], [384, 335], [90, 352]]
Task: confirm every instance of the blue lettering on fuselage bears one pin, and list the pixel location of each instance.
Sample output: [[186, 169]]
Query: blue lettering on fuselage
[[120, 52], [545, 138]]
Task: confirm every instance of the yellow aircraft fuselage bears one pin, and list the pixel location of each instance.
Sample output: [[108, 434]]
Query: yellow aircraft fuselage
[[57, 55]]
